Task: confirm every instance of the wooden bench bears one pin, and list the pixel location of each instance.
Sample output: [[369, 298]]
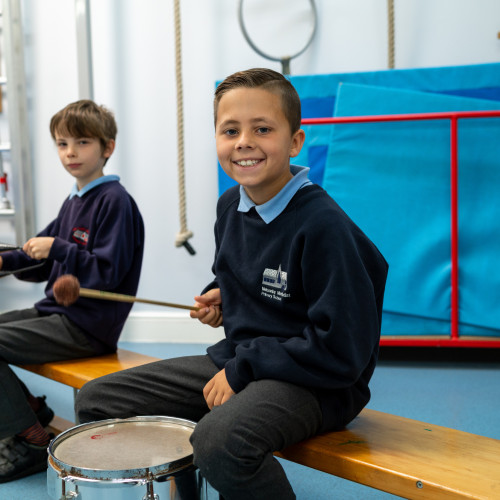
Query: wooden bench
[[398, 455], [77, 372], [405, 457]]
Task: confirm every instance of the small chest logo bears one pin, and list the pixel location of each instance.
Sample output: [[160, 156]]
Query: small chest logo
[[275, 278], [274, 284], [81, 235]]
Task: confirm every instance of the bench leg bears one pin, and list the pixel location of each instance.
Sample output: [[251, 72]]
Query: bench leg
[[75, 392]]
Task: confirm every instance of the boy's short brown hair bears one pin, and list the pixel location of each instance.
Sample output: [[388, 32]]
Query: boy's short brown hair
[[269, 80], [85, 119]]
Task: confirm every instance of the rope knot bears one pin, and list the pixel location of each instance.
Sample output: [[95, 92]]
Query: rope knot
[[182, 237]]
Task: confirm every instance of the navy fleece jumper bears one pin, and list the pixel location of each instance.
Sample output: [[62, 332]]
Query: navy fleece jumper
[[99, 238], [302, 300]]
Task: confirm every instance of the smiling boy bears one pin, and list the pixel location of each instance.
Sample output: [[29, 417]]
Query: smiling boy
[[98, 236], [255, 143], [298, 289]]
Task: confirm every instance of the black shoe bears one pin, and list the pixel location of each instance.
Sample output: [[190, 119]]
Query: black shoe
[[44, 413], [3, 444], [20, 459], [44, 416]]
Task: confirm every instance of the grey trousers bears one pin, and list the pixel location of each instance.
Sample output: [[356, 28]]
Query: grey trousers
[[233, 443], [26, 337]]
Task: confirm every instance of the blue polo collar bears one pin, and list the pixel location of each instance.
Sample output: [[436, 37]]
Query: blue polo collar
[[271, 209], [92, 185]]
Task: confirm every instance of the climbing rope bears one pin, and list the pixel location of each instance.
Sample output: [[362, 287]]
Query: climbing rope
[[184, 234], [390, 38]]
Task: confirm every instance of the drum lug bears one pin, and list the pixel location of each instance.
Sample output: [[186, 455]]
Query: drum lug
[[71, 495], [150, 493]]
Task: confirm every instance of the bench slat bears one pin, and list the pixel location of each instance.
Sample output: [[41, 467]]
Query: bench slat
[[58, 425], [77, 372], [406, 457]]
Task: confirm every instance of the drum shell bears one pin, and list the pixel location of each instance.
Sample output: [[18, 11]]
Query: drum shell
[[178, 479], [100, 490]]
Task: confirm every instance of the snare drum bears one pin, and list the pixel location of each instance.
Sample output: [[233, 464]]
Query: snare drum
[[139, 458]]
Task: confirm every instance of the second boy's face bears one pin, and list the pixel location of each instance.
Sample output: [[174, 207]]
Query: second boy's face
[[254, 141], [83, 157]]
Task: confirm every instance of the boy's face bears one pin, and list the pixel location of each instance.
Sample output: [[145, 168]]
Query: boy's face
[[82, 157], [254, 141]]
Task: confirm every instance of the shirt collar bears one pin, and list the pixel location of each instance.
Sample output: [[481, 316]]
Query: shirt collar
[[271, 209], [92, 185]]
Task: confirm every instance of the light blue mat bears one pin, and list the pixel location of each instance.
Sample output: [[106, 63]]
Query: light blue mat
[[393, 179]]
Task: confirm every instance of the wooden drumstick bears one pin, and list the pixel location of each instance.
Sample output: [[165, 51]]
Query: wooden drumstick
[[5, 247], [67, 289], [99, 294]]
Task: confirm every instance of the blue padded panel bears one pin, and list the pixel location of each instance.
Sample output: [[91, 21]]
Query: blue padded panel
[[314, 107], [393, 179], [225, 182], [458, 80]]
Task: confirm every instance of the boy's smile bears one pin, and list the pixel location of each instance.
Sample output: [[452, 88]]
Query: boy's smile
[[254, 141], [83, 158]]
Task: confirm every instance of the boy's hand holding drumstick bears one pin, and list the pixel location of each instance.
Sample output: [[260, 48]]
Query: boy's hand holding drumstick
[[209, 308]]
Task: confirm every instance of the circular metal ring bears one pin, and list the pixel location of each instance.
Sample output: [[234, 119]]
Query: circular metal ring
[[285, 61]]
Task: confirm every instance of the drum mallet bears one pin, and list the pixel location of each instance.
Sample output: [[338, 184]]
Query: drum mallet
[[67, 289]]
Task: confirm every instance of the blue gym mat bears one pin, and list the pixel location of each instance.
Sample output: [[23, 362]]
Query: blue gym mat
[[393, 179]]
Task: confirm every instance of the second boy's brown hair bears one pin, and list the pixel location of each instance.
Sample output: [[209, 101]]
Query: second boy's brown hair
[[85, 119], [269, 80]]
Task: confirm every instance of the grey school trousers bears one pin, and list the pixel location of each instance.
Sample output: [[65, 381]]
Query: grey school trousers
[[233, 443], [27, 337]]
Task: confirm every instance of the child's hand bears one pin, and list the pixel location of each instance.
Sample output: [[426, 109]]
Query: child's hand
[[217, 391], [38, 248], [210, 312]]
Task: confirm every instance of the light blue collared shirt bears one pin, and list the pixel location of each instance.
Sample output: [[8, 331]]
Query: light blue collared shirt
[[92, 185], [271, 209]]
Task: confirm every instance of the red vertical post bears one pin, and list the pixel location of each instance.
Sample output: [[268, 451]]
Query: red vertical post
[[454, 225]]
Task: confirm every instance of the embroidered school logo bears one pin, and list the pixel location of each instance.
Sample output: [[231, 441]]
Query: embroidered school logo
[[81, 235], [275, 278], [274, 284]]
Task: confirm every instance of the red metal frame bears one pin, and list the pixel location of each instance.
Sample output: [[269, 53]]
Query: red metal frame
[[426, 341]]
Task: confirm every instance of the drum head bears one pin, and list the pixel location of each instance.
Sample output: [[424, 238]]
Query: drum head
[[159, 444]]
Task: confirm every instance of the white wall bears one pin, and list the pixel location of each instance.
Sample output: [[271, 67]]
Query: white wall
[[134, 75]]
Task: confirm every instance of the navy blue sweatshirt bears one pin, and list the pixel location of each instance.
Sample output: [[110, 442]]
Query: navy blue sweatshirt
[[302, 300], [99, 238]]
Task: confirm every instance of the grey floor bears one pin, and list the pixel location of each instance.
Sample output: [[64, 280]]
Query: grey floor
[[457, 388]]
